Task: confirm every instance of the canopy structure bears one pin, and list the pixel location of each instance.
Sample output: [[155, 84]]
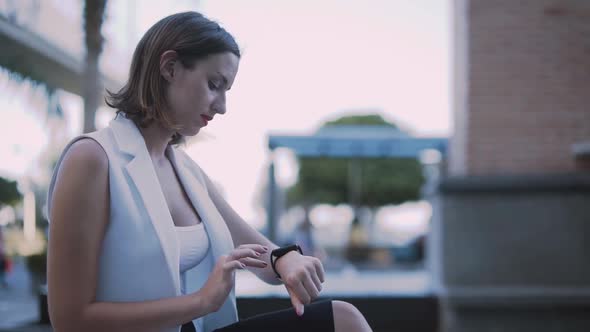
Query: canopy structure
[[347, 141], [30, 55]]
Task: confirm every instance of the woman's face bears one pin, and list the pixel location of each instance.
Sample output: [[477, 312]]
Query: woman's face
[[196, 95]]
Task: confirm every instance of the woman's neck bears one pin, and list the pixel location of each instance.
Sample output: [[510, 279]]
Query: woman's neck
[[156, 139]]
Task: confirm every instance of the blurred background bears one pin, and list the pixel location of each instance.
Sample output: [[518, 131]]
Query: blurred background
[[434, 154]]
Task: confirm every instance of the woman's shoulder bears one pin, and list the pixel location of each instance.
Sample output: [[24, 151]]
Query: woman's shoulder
[[82, 172], [88, 153]]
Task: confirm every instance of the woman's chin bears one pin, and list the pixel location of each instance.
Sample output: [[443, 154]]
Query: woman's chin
[[190, 132]]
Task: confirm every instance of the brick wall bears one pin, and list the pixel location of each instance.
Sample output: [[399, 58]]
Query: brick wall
[[527, 100]]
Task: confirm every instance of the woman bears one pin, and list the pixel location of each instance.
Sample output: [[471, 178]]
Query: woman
[[140, 238]]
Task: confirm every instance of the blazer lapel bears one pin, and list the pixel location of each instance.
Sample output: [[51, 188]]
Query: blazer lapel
[[143, 176]]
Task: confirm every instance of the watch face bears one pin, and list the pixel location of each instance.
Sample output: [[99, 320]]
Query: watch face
[[282, 251]]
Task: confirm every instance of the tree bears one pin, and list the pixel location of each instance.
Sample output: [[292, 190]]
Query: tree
[[358, 182], [93, 19], [382, 180], [9, 193]]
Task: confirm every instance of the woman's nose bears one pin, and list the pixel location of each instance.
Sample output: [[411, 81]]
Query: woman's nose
[[220, 109], [219, 105]]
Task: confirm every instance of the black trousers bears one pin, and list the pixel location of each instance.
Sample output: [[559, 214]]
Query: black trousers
[[317, 316]]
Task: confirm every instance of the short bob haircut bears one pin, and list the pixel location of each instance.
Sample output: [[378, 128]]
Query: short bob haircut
[[193, 36]]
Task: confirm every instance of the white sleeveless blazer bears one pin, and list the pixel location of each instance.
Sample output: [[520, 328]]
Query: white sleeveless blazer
[[139, 258]]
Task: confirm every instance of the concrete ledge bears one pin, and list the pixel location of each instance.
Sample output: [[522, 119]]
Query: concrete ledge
[[566, 182], [509, 239], [556, 319], [581, 150], [516, 297], [510, 253]]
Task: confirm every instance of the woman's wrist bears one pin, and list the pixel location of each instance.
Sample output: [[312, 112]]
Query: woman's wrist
[[284, 260], [201, 306]]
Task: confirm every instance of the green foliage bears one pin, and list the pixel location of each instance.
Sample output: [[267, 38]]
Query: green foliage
[[370, 120], [382, 180], [9, 193], [37, 263]]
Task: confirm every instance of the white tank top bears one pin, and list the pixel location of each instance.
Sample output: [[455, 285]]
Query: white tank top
[[193, 244]]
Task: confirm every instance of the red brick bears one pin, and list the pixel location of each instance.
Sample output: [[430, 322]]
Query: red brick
[[528, 97]]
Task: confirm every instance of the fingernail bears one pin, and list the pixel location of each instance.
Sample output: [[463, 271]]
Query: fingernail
[[243, 265], [257, 254], [265, 263], [265, 248]]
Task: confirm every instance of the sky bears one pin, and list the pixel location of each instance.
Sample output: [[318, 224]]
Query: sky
[[303, 63]]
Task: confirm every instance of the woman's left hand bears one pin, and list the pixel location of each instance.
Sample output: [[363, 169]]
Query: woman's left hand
[[303, 276]]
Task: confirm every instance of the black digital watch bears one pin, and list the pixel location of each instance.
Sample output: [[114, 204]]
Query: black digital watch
[[279, 252]]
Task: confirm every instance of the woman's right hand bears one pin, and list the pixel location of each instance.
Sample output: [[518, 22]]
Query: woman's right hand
[[221, 279]]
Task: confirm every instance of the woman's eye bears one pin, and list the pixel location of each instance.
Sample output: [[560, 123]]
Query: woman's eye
[[212, 86]]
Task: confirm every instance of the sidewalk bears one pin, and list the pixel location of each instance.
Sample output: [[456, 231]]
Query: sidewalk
[[18, 305], [30, 328], [19, 310], [348, 282]]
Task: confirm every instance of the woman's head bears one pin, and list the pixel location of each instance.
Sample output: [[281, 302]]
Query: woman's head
[[180, 70]]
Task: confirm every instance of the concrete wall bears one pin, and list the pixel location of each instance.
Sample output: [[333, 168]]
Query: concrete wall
[[527, 232], [512, 252]]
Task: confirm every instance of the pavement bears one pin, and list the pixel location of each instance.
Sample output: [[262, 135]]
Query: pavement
[[19, 309], [18, 304], [348, 282]]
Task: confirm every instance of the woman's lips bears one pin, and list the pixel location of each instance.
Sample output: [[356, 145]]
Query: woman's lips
[[205, 119]]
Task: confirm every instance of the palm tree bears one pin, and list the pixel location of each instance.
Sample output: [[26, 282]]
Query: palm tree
[[93, 19]]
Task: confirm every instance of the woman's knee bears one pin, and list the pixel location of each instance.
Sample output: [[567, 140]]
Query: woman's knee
[[344, 308], [347, 317]]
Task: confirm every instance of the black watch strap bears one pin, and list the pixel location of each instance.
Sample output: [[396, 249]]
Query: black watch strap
[[279, 252]]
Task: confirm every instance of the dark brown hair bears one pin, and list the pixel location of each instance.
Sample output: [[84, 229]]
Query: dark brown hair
[[193, 37]]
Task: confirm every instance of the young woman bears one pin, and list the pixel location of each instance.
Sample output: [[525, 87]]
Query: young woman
[[140, 239]]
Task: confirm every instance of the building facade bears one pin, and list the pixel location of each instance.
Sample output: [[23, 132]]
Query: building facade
[[508, 249]]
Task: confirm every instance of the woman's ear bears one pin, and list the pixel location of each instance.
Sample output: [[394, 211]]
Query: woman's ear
[[167, 61]]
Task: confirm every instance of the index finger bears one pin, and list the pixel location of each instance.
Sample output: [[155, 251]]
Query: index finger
[[254, 246]]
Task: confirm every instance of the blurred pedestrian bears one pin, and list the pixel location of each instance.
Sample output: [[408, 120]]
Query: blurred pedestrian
[[4, 262], [140, 238], [304, 237]]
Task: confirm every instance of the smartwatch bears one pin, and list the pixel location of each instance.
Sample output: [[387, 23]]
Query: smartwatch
[[279, 252]]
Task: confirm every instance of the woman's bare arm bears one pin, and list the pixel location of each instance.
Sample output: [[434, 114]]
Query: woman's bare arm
[[243, 233], [79, 218]]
